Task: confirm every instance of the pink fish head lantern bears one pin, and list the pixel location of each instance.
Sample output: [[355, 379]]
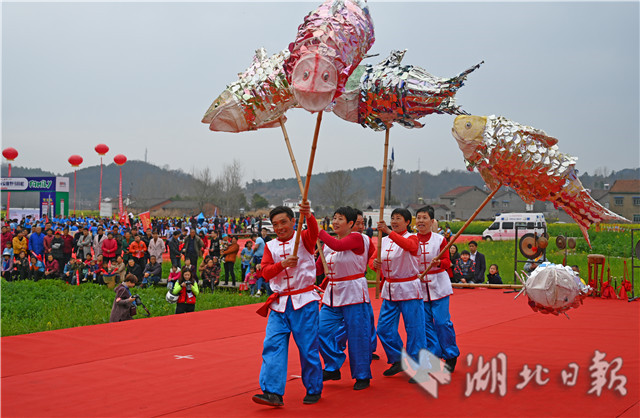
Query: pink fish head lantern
[[329, 45]]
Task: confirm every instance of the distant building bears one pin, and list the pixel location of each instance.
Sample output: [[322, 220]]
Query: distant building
[[624, 199], [440, 211], [507, 200], [464, 200], [169, 207]]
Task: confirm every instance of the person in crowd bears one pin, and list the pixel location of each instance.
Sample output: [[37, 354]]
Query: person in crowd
[[258, 248], [441, 336], [137, 250], [250, 279], [119, 269], [174, 274], [533, 263], [246, 255], [465, 269], [494, 275], [20, 242], [214, 244], [124, 303], [192, 249], [7, 239], [71, 271], [346, 300], [37, 267], [109, 248], [97, 241], [230, 254], [152, 272], [187, 289], [190, 267], [67, 248], [294, 308], [46, 242], [265, 235], [156, 246], [51, 268], [22, 267], [210, 273], [401, 292], [134, 268], [126, 243], [174, 249], [7, 265], [454, 255], [36, 242], [56, 248], [479, 260], [84, 244]]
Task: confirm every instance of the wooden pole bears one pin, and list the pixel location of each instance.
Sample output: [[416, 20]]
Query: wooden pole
[[381, 218], [305, 193], [455, 237], [299, 178]]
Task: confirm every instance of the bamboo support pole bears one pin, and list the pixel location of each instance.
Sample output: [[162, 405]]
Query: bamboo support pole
[[299, 178], [455, 237], [381, 218], [305, 193]]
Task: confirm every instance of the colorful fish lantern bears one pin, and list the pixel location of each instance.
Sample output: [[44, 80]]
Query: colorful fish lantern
[[528, 161], [329, 45], [389, 93]]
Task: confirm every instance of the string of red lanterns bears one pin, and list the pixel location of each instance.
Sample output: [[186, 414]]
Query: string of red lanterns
[[120, 160], [10, 154], [75, 161], [101, 149]]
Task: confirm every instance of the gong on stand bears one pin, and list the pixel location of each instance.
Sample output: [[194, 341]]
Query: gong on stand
[[530, 246]]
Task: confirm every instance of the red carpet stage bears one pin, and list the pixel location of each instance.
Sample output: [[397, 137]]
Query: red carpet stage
[[207, 364]]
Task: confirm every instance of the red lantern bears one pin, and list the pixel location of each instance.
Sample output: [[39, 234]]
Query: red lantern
[[10, 153], [120, 159], [75, 160], [101, 149]]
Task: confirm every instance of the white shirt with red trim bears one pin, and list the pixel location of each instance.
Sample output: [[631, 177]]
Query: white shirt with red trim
[[399, 264], [439, 285], [343, 264], [292, 278]]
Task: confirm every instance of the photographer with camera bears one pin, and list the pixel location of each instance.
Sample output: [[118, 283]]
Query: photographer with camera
[[123, 307], [187, 290]]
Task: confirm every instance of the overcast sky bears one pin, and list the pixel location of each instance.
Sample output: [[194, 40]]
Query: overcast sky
[[140, 76]]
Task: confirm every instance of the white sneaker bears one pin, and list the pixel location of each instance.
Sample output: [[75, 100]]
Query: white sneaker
[[259, 293]]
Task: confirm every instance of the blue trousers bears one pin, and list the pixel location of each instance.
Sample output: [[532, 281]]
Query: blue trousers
[[303, 324], [441, 337], [413, 316], [355, 320], [341, 333]]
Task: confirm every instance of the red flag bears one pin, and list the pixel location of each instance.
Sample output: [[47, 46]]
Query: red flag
[[145, 218]]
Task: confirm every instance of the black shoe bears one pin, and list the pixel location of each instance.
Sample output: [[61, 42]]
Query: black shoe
[[361, 384], [420, 377], [394, 369], [374, 356], [450, 364], [311, 399], [334, 375], [268, 398]]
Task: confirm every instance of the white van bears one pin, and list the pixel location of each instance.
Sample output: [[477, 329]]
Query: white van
[[504, 226]]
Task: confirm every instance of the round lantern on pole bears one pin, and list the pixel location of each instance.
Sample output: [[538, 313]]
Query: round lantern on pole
[[10, 154], [120, 160], [75, 161], [101, 149]]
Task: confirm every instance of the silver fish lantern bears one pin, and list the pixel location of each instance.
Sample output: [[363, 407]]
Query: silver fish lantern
[[528, 161], [553, 289], [259, 97], [389, 93], [329, 45]]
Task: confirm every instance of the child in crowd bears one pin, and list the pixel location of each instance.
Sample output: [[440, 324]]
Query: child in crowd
[[464, 271], [70, 272], [21, 267], [174, 275], [187, 290], [189, 267], [7, 264], [37, 267], [251, 280], [245, 256], [207, 272], [494, 276]]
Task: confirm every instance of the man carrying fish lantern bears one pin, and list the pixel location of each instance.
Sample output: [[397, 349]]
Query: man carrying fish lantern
[[527, 160]]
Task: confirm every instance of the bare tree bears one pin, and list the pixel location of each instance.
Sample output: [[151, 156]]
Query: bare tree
[[336, 190], [231, 197], [203, 187]]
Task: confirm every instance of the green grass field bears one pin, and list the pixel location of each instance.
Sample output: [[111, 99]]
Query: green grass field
[[52, 304]]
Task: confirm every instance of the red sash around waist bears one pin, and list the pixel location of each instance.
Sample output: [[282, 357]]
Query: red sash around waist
[[264, 309], [404, 279]]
